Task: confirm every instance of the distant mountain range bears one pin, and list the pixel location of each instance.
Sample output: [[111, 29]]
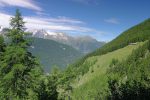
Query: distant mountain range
[[84, 44], [59, 49]]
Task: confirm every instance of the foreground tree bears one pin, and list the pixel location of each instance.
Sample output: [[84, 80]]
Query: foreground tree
[[130, 79], [2, 45], [48, 85], [19, 70]]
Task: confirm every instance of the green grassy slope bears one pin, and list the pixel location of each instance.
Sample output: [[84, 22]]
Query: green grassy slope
[[95, 80], [140, 32]]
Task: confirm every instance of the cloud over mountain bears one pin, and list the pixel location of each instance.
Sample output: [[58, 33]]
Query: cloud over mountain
[[53, 24]]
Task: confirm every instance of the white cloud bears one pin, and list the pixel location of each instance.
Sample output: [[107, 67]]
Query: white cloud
[[112, 21], [29, 4], [40, 13], [4, 19], [95, 2], [59, 20], [63, 19], [53, 24]]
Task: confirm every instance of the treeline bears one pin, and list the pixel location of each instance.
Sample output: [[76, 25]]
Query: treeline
[[130, 79], [138, 33], [21, 75]]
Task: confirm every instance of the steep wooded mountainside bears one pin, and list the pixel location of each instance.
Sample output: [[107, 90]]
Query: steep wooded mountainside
[[52, 53], [97, 75]]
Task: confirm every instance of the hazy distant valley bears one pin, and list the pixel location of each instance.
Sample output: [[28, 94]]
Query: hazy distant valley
[[59, 49]]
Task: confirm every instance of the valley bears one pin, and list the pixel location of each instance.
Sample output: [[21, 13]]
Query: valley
[[74, 50], [53, 54]]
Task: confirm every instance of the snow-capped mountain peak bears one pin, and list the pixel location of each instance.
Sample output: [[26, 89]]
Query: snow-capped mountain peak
[[59, 35], [49, 35], [84, 44], [1, 28]]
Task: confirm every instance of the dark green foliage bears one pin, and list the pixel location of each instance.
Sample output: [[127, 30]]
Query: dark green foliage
[[41, 90], [114, 62], [130, 79], [48, 88], [64, 81], [17, 21], [52, 86], [2, 45], [131, 90], [19, 70], [135, 34]]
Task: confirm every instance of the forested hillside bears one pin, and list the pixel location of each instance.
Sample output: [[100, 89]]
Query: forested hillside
[[52, 53], [135, 34], [91, 73]]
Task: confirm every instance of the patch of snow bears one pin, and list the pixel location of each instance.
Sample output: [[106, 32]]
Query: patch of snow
[[32, 47], [64, 48], [51, 33], [1, 28]]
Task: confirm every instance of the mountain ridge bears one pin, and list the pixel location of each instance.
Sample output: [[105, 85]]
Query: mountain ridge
[[51, 53], [84, 44]]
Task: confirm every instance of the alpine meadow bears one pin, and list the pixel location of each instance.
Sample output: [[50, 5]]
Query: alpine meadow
[[74, 50]]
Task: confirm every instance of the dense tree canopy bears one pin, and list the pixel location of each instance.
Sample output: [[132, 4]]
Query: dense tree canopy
[[130, 79], [19, 70]]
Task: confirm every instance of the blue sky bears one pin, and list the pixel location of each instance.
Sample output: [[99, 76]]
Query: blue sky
[[101, 19]]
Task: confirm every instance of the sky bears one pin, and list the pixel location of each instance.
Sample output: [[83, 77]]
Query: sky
[[102, 19]]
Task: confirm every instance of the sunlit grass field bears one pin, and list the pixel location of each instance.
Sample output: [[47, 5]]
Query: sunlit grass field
[[95, 81]]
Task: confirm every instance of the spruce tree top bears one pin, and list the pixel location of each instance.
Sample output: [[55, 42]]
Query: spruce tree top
[[17, 21], [17, 33]]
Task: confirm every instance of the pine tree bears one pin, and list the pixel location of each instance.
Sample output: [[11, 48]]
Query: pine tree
[[16, 34], [19, 70], [2, 45]]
